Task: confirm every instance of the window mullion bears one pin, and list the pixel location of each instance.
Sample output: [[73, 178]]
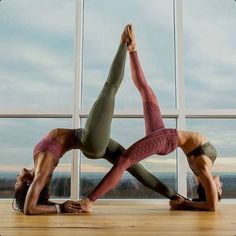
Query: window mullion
[[180, 92], [75, 168]]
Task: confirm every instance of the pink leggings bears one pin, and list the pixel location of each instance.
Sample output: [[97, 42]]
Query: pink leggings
[[158, 139]]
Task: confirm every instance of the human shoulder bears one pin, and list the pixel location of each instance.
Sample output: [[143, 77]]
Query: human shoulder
[[45, 163], [203, 165]]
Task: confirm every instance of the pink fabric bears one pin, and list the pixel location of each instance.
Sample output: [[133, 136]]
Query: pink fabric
[[160, 142], [49, 144], [151, 108], [158, 139]]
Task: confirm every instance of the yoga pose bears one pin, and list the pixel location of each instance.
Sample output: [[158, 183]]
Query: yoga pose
[[31, 188], [160, 140]]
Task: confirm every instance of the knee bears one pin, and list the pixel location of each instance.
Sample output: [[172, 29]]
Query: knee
[[94, 154], [93, 149], [147, 93]]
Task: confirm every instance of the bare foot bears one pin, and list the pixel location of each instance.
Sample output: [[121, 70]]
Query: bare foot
[[86, 205], [132, 45], [125, 39]]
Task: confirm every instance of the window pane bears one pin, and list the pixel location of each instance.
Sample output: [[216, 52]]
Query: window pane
[[210, 53], [37, 53], [222, 134], [126, 132], [103, 24], [17, 140]]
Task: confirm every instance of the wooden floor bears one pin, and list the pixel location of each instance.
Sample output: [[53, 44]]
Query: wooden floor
[[119, 218]]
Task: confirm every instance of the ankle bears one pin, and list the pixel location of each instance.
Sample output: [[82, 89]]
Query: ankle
[[132, 48], [87, 202]]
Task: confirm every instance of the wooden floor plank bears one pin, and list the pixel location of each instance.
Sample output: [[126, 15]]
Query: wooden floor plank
[[122, 219]]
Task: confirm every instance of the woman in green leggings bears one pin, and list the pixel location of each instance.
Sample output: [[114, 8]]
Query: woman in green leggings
[[31, 188]]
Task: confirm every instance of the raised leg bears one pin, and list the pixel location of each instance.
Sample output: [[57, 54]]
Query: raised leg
[[151, 109], [96, 134]]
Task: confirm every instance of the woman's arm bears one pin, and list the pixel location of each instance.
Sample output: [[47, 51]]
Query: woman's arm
[[211, 203], [44, 170], [31, 207]]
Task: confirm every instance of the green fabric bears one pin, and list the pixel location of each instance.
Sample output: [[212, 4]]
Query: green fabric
[[206, 149], [94, 140], [97, 128]]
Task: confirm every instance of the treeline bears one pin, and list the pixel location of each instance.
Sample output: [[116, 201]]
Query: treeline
[[127, 188]]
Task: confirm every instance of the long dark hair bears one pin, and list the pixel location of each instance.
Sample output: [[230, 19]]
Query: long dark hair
[[20, 195], [202, 194]]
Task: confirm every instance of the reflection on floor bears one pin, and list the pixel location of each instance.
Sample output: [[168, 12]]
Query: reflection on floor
[[122, 218]]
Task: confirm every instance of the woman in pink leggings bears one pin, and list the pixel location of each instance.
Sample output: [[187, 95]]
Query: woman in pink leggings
[[160, 140]]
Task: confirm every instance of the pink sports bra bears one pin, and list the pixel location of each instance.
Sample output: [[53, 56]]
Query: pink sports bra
[[49, 144]]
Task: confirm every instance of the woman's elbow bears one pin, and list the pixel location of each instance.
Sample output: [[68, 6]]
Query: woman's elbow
[[29, 211], [212, 207]]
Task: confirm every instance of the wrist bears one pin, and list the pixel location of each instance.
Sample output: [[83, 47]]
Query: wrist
[[58, 208], [132, 47], [87, 201]]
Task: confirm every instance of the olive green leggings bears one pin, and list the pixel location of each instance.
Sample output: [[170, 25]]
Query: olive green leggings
[[94, 140]]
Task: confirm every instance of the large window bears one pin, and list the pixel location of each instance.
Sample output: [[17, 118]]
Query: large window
[[36, 54], [20, 136], [222, 134], [209, 65], [36, 92], [103, 25], [153, 23], [163, 167], [55, 58], [210, 53]]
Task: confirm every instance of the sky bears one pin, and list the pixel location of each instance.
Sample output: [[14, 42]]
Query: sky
[[37, 70]]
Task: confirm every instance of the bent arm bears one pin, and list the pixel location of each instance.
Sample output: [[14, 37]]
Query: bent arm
[[211, 203], [45, 168], [31, 206]]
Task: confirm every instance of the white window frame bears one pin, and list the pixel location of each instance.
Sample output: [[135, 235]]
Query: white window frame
[[180, 113]]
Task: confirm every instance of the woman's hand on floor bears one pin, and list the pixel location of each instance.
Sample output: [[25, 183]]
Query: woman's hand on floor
[[71, 207], [179, 204]]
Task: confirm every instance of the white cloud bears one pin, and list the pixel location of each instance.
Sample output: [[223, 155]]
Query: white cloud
[[94, 168], [225, 164], [210, 53], [42, 57], [157, 13], [45, 16], [45, 75], [109, 36], [210, 44]]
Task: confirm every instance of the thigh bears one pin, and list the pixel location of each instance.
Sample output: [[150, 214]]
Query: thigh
[[152, 117], [114, 151]]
